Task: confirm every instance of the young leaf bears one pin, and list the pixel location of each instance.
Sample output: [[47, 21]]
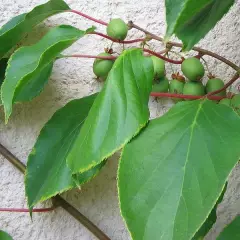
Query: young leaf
[[232, 231], [171, 175], [47, 173], [211, 219], [29, 67], [118, 113], [191, 20], [13, 31], [4, 236]]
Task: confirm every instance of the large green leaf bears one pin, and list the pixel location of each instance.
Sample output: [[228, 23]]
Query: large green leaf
[[118, 113], [14, 30], [211, 219], [232, 231], [191, 20], [4, 236], [47, 173], [171, 175], [29, 67]]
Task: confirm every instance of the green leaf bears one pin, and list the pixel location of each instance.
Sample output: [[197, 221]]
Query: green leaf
[[5, 236], [212, 218], [118, 113], [3, 66], [232, 231], [29, 67], [14, 30], [47, 173], [191, 20], [171, 175]]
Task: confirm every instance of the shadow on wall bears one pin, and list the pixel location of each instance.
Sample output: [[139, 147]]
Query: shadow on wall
[[98, 199]]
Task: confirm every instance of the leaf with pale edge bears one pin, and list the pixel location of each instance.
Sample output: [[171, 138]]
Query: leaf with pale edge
[[191, 20], [232, 231], [118, 113], [14, 30], [47, 173], [212, 218], [171, 175], [5, 236], [29, 67]]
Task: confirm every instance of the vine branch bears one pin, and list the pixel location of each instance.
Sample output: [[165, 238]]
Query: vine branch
[[57, 200], [88, 56], [118, 41], [180, 45], [168, 44], [88, 17], [163, 57], [24, 210], [182, 96]]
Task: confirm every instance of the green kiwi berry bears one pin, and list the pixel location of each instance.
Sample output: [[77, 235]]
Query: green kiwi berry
[[101, 67], [161, 85], [194, 88], [236, 103], [117, 29], [176, 86], [193, 69], [215, 84], [225, 101], [159, 67]]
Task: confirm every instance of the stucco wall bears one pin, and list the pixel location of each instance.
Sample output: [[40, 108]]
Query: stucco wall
[[73, 78]]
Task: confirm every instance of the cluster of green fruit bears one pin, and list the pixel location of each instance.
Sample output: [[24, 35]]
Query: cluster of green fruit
[[116, 29], [193, 70]]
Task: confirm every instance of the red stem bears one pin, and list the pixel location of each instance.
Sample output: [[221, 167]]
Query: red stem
[[24, 210], [162, 57], [192, 97], [118, 41], [88, 17], [89, 56]]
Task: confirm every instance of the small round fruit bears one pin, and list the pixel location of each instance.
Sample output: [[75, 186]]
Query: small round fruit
[[236, 103], [193, 69], [161, 86], [117, 29], [159, 67], [101, 67], [215, 84], [194, 88], [176, 86], [226, 101]]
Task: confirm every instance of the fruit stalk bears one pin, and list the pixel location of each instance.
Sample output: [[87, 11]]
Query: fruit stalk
[[58, 201]]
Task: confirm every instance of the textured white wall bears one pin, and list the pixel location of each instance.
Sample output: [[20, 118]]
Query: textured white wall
[[73, 78]]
